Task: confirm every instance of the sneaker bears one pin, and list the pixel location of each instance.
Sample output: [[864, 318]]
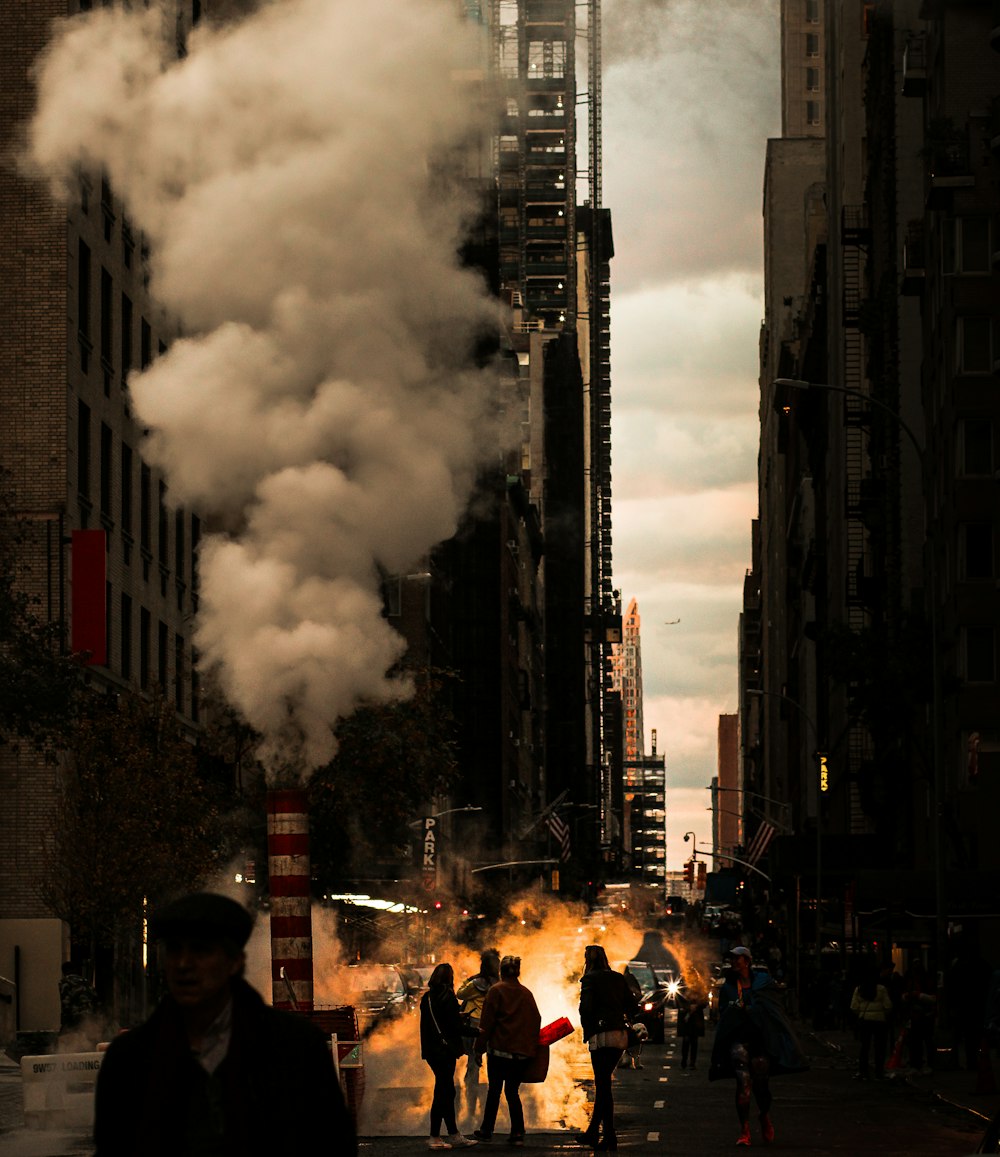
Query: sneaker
[[516, 1139], [766, 1128], [457, 1141], [437, 1143], [481, 1137], [744, 1137]]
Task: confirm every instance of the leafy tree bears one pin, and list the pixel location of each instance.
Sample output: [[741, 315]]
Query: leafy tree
[[134, 819], [392, 758], [38, 680]]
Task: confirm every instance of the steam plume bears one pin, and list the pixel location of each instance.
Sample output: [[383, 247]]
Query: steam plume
[[321, 405]]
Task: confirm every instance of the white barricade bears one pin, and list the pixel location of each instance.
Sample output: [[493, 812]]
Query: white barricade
[[59, 1090]]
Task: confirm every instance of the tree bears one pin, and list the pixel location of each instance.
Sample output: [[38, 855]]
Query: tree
[[134, 819], [38, 680], [391, 760]]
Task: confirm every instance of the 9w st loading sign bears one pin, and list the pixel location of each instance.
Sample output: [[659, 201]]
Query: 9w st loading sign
[[430, 852]]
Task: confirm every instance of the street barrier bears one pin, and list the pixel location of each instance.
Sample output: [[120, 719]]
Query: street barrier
[[58, 1089]]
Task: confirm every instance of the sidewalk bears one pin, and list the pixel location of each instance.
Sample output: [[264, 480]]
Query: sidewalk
[[971, 1090]]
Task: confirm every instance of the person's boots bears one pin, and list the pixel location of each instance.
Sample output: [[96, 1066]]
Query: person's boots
[[766, 1128], [744, 1137]]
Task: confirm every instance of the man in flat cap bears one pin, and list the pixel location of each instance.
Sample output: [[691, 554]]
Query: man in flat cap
[[216, 1072]]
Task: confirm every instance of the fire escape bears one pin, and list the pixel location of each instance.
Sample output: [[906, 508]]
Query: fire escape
[[855, 239]]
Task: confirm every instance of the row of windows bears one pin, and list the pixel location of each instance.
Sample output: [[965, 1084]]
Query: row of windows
[[145, 659], [106, 325], [137, 503]]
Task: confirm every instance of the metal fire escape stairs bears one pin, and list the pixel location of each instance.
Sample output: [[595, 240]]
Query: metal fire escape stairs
[[855, 238]]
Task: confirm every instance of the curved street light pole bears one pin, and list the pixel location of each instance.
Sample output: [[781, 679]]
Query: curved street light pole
[[930, 603]]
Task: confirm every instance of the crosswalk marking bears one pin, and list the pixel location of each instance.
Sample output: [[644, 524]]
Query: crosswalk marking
[[658, 1104], [652, 1136], [663, 1080]]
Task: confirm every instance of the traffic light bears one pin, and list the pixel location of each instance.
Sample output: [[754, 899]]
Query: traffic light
[[689, 873]]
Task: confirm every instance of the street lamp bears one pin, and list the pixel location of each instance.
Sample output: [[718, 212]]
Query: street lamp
[[448, 812], [930, 601]]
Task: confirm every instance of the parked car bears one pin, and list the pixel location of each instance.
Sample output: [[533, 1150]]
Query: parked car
[[377, 992]]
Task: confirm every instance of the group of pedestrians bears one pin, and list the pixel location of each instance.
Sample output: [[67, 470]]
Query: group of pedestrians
[[754, 1040], [507, 1024]]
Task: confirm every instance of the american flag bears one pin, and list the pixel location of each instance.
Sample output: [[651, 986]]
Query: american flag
[[758, 845], [560, 831]]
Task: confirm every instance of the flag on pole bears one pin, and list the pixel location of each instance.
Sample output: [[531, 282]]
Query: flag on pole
[[560, 832], [758, 845]]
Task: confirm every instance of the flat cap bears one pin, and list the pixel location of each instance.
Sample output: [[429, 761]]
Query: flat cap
[[203, 914], [738, 951]]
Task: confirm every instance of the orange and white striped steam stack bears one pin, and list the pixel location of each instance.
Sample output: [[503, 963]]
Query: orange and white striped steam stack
[[291, 915]]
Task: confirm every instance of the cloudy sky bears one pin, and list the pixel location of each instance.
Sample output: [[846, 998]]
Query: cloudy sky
[[691, 94]]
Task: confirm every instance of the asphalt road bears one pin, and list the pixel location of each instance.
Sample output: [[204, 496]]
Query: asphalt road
[[662, 1108]]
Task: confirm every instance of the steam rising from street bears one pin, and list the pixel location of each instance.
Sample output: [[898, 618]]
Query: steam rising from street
[[321, 403], [549, 935]]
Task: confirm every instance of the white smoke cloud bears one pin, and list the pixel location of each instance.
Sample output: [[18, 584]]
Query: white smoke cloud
[[321, 403]]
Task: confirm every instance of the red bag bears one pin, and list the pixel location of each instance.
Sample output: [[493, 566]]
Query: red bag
[[555, 1031]]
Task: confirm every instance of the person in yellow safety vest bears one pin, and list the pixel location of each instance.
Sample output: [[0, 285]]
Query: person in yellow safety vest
[[472, 994]]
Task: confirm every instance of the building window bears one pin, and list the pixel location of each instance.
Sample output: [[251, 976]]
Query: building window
[[145, 511], [145, 344], [812, 79], [126, 637], [179, 672], [812, 44], [83, 449], [975, 449], [966, 245], [812, 112], [179, 543], [107, 329], [812, 11], [83, 304], [980, 646], [162, 535], [126, 335], [126, 496], [144, 628], [195, 543], [162, 636], [546, 58], [976, 553], [974, 345], [107, 465]]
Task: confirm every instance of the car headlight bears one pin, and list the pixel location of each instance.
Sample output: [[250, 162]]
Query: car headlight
[[648, 1006]]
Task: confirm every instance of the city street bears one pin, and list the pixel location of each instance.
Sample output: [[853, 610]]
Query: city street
[[665, 1109]]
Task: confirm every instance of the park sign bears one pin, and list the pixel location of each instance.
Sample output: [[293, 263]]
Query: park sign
[[430, 853]]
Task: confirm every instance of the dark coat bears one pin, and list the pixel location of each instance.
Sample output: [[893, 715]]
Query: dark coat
[[764, 1016], [277, 1089], [510, 1022], [444, 1004], [606, 1002]]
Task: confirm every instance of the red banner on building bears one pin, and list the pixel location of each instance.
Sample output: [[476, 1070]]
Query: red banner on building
[[89, 606]]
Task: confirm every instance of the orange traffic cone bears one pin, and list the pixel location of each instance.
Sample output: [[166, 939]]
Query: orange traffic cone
[[985, 1081], [896, 1060]]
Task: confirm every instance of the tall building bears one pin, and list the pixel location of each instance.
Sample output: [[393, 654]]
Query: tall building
[[646, 816], [862, 704], [105, 557], [627, 681]]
